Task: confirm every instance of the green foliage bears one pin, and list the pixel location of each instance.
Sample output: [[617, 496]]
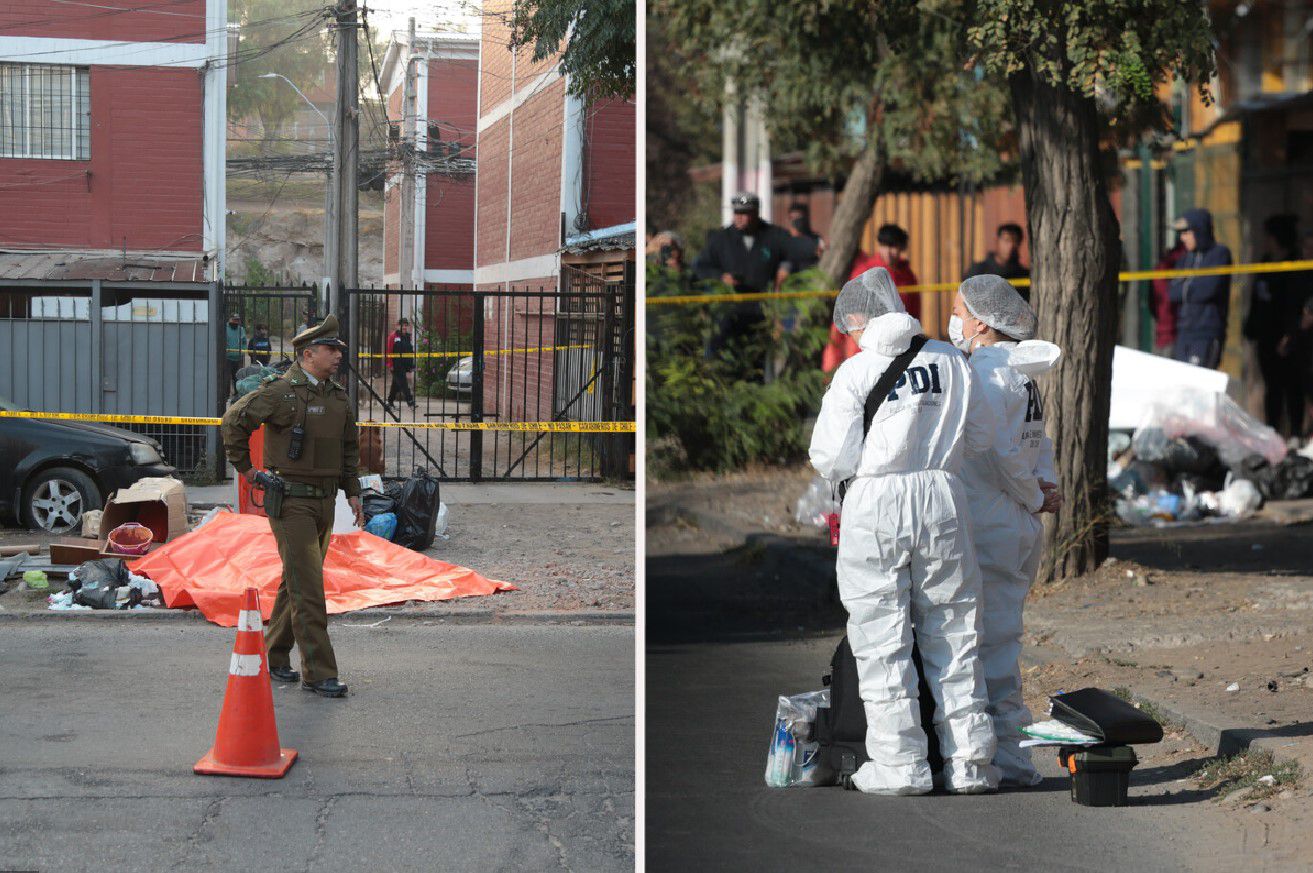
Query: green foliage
[[833, 75], [682, 131], [600, 38], [1120, 50], [271, 42], [258, 275], [718, 408], [431, 373]]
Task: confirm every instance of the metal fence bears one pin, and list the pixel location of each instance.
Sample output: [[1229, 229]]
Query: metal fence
[[125, 348], [525, 354]]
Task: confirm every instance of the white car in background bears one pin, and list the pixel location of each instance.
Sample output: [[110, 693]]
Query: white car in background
[[460, 379]]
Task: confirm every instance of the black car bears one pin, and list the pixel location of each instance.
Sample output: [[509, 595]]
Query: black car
[[53, 471]]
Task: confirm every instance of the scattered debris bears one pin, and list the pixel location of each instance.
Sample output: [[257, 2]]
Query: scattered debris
[[1234, 686]]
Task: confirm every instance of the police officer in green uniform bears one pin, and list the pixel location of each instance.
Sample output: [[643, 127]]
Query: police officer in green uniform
[[311, 445]]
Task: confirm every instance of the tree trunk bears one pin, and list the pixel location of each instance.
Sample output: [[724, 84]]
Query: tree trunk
[[854, 210], [1075, 240]]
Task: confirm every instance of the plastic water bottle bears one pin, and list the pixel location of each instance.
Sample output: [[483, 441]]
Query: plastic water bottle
[[781, 756]]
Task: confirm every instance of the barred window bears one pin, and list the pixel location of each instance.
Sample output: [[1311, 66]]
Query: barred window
[[45, 112]]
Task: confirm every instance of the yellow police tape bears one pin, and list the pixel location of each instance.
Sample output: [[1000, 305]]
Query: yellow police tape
[[1127, 276], [521, 426], [486, 352]]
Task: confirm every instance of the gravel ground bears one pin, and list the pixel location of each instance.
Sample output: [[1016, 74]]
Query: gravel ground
[[566, 557]]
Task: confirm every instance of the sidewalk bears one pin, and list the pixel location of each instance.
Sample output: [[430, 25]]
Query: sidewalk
[[567, 547]]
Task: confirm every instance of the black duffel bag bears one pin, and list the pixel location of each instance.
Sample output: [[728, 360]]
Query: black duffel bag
[[840, 731]]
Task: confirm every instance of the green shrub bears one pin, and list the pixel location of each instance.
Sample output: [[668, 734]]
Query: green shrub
[[720, 407]]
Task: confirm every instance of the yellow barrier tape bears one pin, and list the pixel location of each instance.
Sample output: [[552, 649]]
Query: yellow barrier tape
[[522, 426], [486, 352], [939, 287]]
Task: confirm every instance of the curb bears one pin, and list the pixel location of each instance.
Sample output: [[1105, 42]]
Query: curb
[[619, 617], [1212, 731]]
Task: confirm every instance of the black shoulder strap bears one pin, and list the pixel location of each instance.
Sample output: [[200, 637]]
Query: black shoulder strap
[[897, 368]]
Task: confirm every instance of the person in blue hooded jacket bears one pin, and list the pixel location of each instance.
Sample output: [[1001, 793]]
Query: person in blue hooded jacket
[[1203, 300]]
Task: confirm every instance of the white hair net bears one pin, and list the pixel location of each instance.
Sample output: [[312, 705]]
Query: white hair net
[[867, 297], [993, 300]]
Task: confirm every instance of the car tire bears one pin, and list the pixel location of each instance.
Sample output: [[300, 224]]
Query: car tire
[[72, 493]]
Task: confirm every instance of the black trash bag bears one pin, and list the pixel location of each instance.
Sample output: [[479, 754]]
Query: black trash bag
[[1192, 455], [105, 573], [1256, 469], [417, 503], [376, 503], [1292, 479]]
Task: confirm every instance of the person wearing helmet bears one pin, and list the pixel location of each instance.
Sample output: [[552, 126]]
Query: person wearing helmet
[[905, 555], [1007, 487]]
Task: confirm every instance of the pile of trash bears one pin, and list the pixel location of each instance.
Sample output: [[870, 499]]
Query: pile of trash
[[1198, 456], [408, 513], [106, 584]]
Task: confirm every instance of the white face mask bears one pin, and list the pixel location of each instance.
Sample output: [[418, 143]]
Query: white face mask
[[955, 334]]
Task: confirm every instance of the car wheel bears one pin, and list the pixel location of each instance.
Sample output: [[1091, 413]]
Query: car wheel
[[55, 499]]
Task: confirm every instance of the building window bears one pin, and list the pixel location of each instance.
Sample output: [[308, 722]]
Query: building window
[[45, 112]]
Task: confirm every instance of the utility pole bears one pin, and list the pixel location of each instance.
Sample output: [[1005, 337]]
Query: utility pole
[[346, 173], [409, 116], [346, 159]]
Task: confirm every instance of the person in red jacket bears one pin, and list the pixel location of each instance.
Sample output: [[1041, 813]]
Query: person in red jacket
[[1164, 310], [890, 253], [400, 345]]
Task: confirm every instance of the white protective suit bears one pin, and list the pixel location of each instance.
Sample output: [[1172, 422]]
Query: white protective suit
[[1003, 492], [905, 555]]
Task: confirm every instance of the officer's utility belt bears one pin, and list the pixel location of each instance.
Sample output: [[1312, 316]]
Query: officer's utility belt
[[300, 489]]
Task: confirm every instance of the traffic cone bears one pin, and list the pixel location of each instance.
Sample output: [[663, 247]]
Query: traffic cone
[[247, 740]]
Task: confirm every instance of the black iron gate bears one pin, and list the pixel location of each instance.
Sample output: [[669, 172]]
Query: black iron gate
[[497, 358]]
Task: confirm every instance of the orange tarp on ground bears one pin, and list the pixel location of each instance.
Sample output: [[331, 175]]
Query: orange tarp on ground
[[211, 568]]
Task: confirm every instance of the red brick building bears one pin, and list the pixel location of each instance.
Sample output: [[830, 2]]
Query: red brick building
[[112, 138], [439, 242], [555, 192]]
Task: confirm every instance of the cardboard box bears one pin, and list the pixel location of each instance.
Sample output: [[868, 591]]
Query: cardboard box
[[160, 504]]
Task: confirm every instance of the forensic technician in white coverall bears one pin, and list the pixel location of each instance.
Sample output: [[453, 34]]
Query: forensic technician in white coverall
[[1007, 487], [905, 551]]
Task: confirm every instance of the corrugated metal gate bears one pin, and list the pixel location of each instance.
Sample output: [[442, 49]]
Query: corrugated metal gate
[[101, 347]]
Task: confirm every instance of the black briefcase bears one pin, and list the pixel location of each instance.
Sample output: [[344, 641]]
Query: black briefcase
[[1100, 714]]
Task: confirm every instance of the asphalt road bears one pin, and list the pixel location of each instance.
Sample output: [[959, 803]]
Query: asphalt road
[[469, 747], [728, 633], [710, 710]]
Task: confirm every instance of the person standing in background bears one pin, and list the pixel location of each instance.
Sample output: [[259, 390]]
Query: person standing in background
[[1164, 310], [401, 360], [1203, 301], [1275, 304], [1005, 260], [806, 246], [260, 347], [234, 349], [891, 254]]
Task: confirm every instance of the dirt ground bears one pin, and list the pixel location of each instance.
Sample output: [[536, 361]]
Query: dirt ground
[[561, 557], [1215, 620]]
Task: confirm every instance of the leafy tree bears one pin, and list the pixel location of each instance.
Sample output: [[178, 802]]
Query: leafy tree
[[599, 37], [716, 412], [1068, 67], [275, 39], [862, 87]]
